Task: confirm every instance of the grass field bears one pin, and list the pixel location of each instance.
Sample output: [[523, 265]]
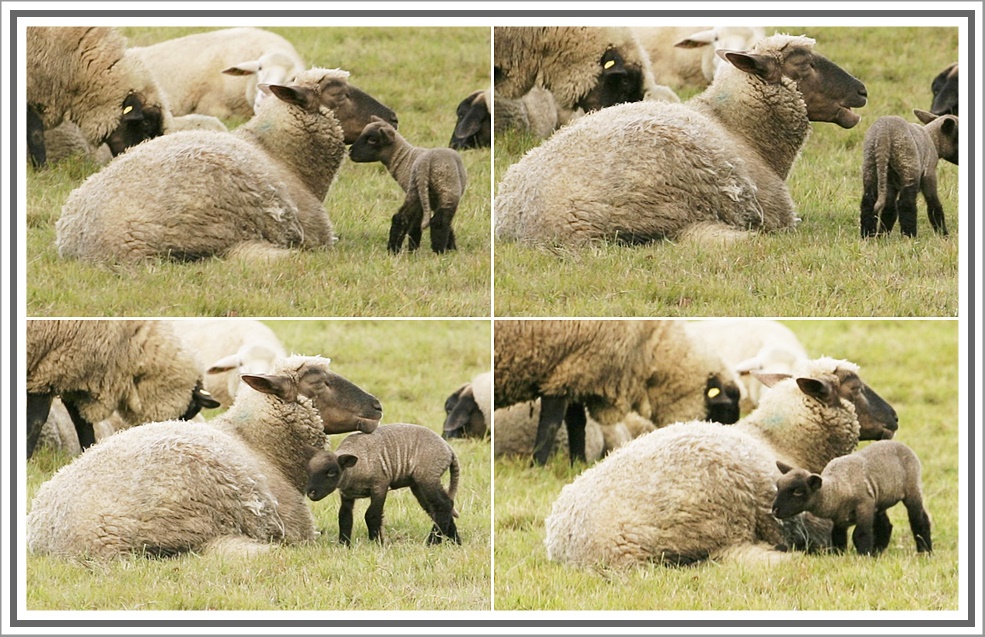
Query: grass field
[[822, 268], [422, 74], [394, 361], [913, 365]]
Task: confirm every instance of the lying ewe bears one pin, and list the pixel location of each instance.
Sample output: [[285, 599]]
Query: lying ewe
[[433, 179], [236, 483], [710, 169], [257, 190], [135, 368], [473, 125], [856, 490], [697, 490], [899, 159], [84, 75], [945, 90], [393, 457], [685, 56], [468, 411]]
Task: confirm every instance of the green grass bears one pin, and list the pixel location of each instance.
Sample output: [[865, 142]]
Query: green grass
[[822, 268], [421, 73], [913, 365], [396, 361]]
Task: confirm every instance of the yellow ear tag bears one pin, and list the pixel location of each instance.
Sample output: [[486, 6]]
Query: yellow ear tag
[[714, 391], [609, 64], [127, 109]]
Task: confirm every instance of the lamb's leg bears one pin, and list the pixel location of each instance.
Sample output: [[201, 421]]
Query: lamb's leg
[[883, 532], [451, 239], [552, 410], [374, 515], [415, 219], [38, 408], [839, 538], [869, 218], [345, 520], [441, 229], [576, 421], [863, 537], [907, 210], [887, 217], [935, 211], [83, 428], [919, 524], [399, 225], [439, 506], [35, 138]]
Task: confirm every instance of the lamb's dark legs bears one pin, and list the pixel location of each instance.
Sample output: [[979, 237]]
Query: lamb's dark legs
[[839, 538], [919, 525], [576, 421], [883, 529], [38, 408], [935, 211], [345, 520], [83, 428], [437, 504], [907, 207], [888, 215], [374, 515], [869, 218], [552, 410], [441, 237], [398, 230], [864, 538]]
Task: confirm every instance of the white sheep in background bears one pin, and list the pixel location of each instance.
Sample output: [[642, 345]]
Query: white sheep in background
[[709, 170], [685, 56], [190, 69]]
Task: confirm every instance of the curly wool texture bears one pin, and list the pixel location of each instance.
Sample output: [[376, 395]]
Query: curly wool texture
[[207, 193], [172, 487], [696, 490], [710, 169]]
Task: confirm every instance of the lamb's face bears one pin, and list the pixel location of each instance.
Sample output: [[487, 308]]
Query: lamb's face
[[373, 143], [325, 471], [795, 490]]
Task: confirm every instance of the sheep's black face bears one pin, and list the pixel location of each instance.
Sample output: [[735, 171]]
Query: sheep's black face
[[618, 83], [473, 128], [138, 122], [353, 108], [464, 418], [828, 90], [721, 401], [201, 399], [343, 406], [876, 418], [945, 90]]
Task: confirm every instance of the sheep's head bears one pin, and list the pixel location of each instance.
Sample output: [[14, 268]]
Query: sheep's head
[[722, 400], [945, 90], [270, 68], [139, 121], [473, 128], [325, 472], [796, 490], [374, 142], [463, 417], [618, 82]]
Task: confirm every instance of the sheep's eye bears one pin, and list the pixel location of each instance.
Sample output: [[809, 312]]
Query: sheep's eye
[[331, 473], [798, 492]]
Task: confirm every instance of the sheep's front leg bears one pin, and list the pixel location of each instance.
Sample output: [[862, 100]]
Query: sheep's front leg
[[374, 515], [883, 532], [83, 428], [345, 520], [38, 408], [35, 138], [864, 537], [552, 410], [935, 211]]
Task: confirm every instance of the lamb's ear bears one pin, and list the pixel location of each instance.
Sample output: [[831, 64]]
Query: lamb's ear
[[346, 460], [769, 378], [762, 66], [387, 135], [814, 482], [820, 389], [924, 116], [948, 126], [783, 467], [279, 386], [297, 95]]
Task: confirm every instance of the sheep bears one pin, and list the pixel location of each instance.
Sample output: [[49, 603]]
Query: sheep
[[85, 75], [468, 410], [188, 69], [473, 125], [234, 483], [255, 191], [433, 179], [899, 159], [612, 368], [584, 67], [393, 457], [709, 170], [857, 489], [695, 491], [535, 112], [685, 56], [945, 90], [136, 368]]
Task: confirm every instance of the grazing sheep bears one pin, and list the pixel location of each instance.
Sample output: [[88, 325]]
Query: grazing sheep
[[685, 56], [945, 90], [856, 490], [136, 368], [708, 170], [584, 67], [433, 179], [236, 482], [473, 125], [84, 75], [610, 367], [535, 112], [899, 159], [257, 190], [188, 69], [697, 490], [393, 457], [468, 411]]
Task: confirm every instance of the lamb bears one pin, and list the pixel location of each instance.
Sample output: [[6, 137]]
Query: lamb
[[685, 56], [612, 368], [253, 192], [584, 67], [393, 457], [695, 491], [232, 485], [473, 124], [945, 90], [433, 179], [857, 489], [136, 368], [188, 69], [710, 170], [468, 411], [84, 75], [898, 160]]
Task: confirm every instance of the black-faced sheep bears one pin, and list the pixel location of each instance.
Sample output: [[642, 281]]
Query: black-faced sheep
[[473, 122], [236, 483], [856, 490], [709, 170], [899, 160], [135, 368], [945, 90], [433, 180], [468, 411], [84, 75], [393, 457], [257, 190], [697, 490], [685, 56], [610, 367]]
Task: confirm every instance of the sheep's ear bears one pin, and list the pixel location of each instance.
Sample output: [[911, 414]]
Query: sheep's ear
[[279, 386], [762, 66], [769, 378], [346, 460], [820, 389], [814, 482], [297, 95], [783, 467], [224, 364], [748, 366], [699, 39], [243, 68], [924, 116]]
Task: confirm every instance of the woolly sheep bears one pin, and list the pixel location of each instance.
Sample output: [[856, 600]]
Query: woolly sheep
[[136, 368], [473, 122], [535, 112], [945, 90], [610, 367], [433, 180], [857, 489], [584, 67], [899, 159], [257, 190], [697, 490], [188, 69], [393, 457], [685, 56], [468, 411], [84, 75], [708, 170], [234, 483]]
